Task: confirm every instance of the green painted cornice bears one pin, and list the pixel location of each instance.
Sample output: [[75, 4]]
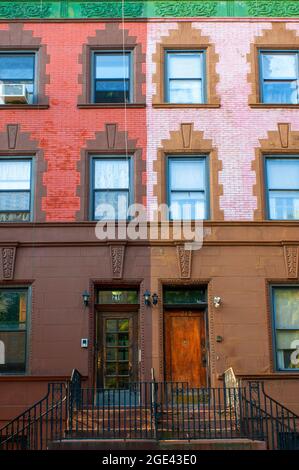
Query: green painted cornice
[[88, 9]]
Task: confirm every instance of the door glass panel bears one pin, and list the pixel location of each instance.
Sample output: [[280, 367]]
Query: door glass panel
[[111, 339], [117, 352], [111, 354], [118, 297], [123, 324], [111, 325], [174, 296], [123, 354]]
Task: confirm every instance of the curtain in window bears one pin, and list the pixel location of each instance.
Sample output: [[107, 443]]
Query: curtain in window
[[286, 307], [111, 174]]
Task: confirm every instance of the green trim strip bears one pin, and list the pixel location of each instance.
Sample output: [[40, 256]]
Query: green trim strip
[[78, 9]]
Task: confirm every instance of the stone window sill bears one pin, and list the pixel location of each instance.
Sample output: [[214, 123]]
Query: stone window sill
[[110, 105], [24, 106], [174, 105], [273, 106]]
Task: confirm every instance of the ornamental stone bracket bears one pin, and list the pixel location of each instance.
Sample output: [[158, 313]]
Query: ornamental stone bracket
[[184, 258], [7, 262], [291, 261], [117, 256]]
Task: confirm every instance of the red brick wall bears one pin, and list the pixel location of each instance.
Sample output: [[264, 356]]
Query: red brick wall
[[62, 130]]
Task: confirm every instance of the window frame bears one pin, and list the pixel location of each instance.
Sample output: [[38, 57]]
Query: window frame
[[275, 156], [35, 70], [168, 51], [28, 291], [22, 158], [94, 53], [189, 157], [274, 329], [92, 190], [262, 51]]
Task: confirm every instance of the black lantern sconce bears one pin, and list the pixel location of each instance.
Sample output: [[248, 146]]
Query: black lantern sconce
[[147, 298], [85, 297]]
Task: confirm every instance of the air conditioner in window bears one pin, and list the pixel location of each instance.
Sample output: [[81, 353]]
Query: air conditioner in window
[[14, 93]]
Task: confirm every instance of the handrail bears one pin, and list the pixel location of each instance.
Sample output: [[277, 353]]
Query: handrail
[[277, 402], [10, 423], [43, 413], [12, 436]]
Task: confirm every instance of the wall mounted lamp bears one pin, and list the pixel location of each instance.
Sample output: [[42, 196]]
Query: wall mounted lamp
[[217, 302], [155, 298], [85, 297], [148, 298]]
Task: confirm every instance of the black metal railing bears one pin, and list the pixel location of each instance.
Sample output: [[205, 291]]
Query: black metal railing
[[39, 424], [268, 419], [153, 410]]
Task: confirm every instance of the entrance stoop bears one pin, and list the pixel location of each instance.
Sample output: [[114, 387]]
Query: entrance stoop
[[151, 444]]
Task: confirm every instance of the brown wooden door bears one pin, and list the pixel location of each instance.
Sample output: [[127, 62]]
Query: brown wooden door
[[185, 347]]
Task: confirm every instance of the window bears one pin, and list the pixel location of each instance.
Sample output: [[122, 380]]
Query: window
[[283, 187], [112, 192], [280, 77], [187, 194], [18, 69], [15, 190], [185, 77], [286, 321], [112, 77], [13, 325]]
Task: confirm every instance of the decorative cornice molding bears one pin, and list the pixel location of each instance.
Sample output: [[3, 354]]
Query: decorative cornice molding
[[113, 9]]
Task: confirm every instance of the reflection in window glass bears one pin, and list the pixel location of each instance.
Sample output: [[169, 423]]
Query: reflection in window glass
[[15, 190], [112, 77], [184, 77], [187, 188], [280, 77], [118, 297], [283, 187], [18, 69], [13, 323], [176, 295], [111, 188], [286, 312]]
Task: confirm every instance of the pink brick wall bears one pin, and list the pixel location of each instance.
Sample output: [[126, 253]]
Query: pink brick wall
[[235, 128]]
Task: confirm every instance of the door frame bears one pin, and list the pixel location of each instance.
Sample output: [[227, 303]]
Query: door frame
[[204, 307], [115, 311], [183, 308]]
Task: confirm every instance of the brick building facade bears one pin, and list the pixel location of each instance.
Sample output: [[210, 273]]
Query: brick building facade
[[248, 256]]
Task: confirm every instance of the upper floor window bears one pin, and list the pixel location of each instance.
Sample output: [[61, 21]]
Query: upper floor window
[[111, 187], [185, 77], [283, 187], [188, 188], [15, 189], [279, 77], [17, 78], [286, 326], [13, 326], [112, 81]]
